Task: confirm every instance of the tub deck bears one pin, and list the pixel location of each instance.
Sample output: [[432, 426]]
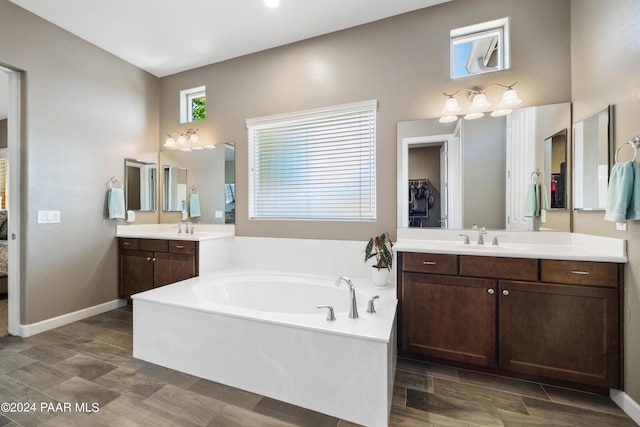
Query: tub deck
[[344, 368]]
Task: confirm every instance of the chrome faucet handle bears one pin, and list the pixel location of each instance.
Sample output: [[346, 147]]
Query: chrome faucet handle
[[330, 316], [495, 239], [481, 232], [370, 307], [466, 238]]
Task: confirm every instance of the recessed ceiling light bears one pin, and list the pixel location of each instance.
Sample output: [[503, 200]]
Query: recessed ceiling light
[[272, 3]]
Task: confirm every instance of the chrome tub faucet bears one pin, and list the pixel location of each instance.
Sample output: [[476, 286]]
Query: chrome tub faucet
[[353, 305]]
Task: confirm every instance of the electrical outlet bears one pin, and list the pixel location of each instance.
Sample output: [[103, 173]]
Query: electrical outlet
[[621, 226]]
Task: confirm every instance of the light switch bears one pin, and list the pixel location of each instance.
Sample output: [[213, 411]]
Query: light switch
[[218, 214], [48, 217]]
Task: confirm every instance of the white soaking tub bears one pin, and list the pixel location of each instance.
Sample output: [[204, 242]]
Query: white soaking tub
[[261, 331]]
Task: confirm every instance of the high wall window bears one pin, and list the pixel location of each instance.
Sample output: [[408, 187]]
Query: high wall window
[[480, 48], [193, 104], [318, 164]]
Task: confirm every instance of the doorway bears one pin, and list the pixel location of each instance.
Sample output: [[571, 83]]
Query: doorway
[[10, 98]]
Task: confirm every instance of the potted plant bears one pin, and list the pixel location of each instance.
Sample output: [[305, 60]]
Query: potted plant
[[380, 248]]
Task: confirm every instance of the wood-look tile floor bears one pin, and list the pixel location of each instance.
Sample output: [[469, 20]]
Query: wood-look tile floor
[[83, 374]]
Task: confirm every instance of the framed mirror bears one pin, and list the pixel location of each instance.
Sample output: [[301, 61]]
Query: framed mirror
[[555, 170], [140, 185], [478, 173], [211, 173], [175, 191], [592, 153]]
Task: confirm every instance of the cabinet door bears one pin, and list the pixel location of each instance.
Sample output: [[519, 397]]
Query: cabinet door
[[566, 332], [136, 272], [171, 268], [450, 318]]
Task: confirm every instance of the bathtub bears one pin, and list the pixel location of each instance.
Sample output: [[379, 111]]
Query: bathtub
[[260, 331]]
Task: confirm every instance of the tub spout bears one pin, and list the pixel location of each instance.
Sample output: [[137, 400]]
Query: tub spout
[[353, 305]]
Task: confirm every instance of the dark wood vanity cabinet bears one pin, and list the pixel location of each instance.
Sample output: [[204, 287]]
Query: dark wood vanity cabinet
[[150, 263], [539, 319]]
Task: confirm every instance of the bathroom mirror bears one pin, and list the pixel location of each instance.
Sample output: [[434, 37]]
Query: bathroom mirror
[[592, 152], [555, 169], [175, 191], [478, 173], [212, 176], [140, 185]]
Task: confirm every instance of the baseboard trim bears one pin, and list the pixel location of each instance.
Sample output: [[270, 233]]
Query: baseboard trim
[[55, 322], [627, 404]]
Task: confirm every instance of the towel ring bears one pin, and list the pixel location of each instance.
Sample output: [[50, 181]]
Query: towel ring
[[634, 143], [534, 175], [114, 183], [193, 190]]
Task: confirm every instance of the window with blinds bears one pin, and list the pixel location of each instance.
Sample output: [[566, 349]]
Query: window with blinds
[[318, 164]]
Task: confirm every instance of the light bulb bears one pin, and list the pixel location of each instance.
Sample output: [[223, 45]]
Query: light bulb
[[182, 140], [193, 139], [170, 142], [448, 119], [451, 107], [479, 103], [272, 3], [509, 99]]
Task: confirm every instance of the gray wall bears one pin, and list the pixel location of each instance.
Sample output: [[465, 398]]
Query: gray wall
[[605, 54], [84, 112], [3, 133], [402, 62]]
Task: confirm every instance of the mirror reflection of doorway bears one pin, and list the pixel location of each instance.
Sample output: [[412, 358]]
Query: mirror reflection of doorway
[[424, 186]]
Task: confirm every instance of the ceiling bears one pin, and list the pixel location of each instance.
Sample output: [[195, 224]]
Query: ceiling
[[165, 37]]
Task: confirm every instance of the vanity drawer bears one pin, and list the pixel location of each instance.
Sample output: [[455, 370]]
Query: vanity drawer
[[580, 273], [154, 245], [430, 263], [182, 247], [128, 243], [499, 268]]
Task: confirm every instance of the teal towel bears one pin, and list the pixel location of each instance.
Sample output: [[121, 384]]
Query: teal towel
[[633, 211], [116, 203], [620, 191], [545, 199], [194, 206], [532, 201]]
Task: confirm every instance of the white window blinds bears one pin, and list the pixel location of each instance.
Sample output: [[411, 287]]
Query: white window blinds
[[318, 164]]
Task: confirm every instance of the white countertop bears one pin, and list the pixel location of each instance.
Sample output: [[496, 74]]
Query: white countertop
[[514, 244], [169, 231]]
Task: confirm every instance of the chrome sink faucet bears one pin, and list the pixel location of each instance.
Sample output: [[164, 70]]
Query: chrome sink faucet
[[481, 232], [353, 305]]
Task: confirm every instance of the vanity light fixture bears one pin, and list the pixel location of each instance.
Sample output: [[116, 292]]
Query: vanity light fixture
[[479, 103], [186, 139]]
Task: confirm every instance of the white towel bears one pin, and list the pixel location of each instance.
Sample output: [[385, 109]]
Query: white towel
[[116, 203]]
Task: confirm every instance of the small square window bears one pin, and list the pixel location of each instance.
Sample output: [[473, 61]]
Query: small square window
[[480, 48], [192, 104]]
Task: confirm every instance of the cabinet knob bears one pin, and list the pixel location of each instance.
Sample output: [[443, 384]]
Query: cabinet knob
[[153, 259], [148, 258], [491, 291], [505, 292]]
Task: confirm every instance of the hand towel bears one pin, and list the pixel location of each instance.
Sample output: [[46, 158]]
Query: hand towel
[[620, 191], [194, 206], [633, 211], [544, 205], [116, 203], [532, 201]]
